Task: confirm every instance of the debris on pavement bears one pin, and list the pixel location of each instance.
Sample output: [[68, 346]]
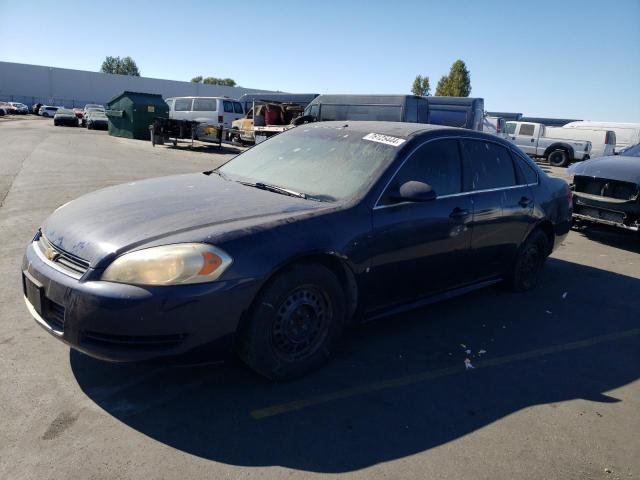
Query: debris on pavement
[[564, 295], [481, 352], [467, 364], [468, 352], [549, 312]]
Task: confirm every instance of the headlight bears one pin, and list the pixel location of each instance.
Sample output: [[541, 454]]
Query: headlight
[[178, 264]]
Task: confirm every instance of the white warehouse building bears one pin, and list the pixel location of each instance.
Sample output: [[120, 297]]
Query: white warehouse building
[[31, 84]]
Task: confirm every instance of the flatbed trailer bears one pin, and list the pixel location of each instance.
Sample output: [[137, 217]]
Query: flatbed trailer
[[164, 130]]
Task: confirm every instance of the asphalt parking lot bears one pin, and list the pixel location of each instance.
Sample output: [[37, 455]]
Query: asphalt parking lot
[[555, 392]]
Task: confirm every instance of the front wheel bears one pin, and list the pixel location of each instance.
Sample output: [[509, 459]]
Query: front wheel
[[527, 268], [559, 158], [294, 323]]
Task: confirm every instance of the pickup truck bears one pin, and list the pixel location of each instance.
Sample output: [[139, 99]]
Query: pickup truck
[[270, 118], [559, 152]]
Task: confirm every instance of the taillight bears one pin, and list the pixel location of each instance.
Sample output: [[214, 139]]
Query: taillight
[[499, 128], [220, 119]]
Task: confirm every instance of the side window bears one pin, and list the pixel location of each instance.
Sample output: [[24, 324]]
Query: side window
[[491, 165], [237, 107], [437, 163], [529, 174], [204, 105], [183, 104], [228, 106], [527, 129], [511, 128]]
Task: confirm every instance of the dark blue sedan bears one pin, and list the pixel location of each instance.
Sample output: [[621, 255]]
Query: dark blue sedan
[[276, 252]]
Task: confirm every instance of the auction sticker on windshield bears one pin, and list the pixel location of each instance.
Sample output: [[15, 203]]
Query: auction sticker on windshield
[[386, 139]]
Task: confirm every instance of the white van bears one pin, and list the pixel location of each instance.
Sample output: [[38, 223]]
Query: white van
[[208, 110], [603, 142], [627, 134]]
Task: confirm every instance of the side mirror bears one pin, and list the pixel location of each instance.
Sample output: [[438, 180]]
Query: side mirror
[[413, 191]]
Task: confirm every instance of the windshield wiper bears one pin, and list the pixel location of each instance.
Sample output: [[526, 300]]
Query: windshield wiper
[[219, 173], [275, 188]]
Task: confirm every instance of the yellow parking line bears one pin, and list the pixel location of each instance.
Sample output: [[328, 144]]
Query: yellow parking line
[[424, 376]]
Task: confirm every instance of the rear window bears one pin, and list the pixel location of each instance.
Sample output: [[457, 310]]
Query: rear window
[[491, 165], [527, 129], [611, 138], [529, 174], [237, 107], [183, 104], [391, 113]]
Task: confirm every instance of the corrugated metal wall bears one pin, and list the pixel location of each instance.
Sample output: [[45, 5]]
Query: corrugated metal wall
[[30, 84]]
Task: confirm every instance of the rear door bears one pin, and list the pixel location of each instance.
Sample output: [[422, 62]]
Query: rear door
[[182, 108], [421, 247], [502, 206], [525, 137]]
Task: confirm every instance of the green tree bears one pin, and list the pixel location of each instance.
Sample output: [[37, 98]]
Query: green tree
[[442, 89], [459, 80], [120, 66], [197, 79], [229, 82], [421, 86]]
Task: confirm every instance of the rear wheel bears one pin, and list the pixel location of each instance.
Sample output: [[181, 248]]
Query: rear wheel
[[559, 158], [294, 323], [527, 268]]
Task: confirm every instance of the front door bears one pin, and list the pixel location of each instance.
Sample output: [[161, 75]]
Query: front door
[[421, 247]]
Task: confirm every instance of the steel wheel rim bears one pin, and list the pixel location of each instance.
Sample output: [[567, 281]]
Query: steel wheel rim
[[299, 326]]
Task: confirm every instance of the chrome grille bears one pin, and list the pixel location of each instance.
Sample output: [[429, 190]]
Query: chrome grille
[[606, 188], [65, 261]]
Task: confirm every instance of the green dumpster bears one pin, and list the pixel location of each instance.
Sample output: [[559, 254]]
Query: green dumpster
[[131, 113]]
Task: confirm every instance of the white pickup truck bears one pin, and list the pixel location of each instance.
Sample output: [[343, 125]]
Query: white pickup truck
[[560, 152]]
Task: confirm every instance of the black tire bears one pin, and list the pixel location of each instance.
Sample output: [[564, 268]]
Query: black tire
[[527, 267], [559, 158], [45, 114], [55, 124], [294, 323], [89, 126]]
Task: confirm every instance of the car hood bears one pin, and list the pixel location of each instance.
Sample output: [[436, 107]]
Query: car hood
[[108, 222], [617, 167]]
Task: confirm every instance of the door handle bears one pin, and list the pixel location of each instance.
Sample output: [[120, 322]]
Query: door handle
[[532, 140], [524, 202], [458, 213]]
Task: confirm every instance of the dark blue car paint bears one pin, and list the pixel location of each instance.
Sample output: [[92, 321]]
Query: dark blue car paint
[[389, 257]]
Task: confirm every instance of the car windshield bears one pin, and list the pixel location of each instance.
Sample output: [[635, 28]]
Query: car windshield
[[321, 162], [632, 151], [64, 111]]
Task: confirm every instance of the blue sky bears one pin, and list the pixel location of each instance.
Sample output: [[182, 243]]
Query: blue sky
[[576, 59]]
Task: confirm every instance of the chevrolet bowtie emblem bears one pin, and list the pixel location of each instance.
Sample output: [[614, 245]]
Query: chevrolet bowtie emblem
[[51, 254]]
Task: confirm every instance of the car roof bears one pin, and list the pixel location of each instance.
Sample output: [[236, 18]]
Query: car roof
[[396, 129]]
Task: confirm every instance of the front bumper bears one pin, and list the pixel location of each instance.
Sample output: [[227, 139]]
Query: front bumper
[[609, 211], [119, 322]]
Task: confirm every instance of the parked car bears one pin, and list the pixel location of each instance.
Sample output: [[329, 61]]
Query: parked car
[[535, 141], [627, 134], [96, 120], [47, 111], [310, 231], [36, 108], [301, 99], [210, 111], [495, 125], [88, 111], [603, 142], [20, 108], [450, 111], [8, 108], [607, 190], [64, 116]]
